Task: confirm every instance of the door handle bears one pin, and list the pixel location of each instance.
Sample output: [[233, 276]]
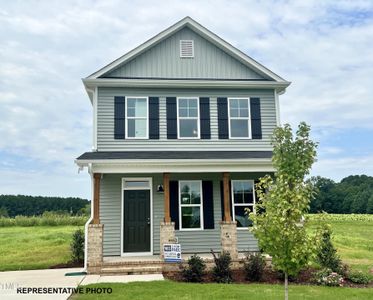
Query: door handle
[[148, 221]]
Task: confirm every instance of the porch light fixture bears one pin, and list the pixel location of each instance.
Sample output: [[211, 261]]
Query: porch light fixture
[[160, 188]]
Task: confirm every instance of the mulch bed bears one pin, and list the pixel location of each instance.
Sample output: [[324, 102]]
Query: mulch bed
[[68, 265], [269, 276]]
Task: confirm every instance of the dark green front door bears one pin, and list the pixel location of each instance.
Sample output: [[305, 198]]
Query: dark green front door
[[136, 223]]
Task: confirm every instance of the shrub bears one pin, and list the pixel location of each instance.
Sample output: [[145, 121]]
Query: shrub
[[254, 267], [359, 277], [327, 255], [328, 277], [195, 269], [77, 246], [222, 272]]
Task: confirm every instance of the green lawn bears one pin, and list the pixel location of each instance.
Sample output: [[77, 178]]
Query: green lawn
[[354, 242], [37, 247], [182, 291]]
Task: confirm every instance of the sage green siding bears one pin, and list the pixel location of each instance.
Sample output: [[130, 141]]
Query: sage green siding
[[191, 241], [105, 121], [163, 61]]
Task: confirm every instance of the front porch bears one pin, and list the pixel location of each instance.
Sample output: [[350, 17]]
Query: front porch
[[105, 250]]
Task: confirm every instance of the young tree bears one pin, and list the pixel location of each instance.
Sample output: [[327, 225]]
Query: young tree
[[279, 224]]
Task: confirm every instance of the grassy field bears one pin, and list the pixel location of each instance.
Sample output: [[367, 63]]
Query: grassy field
[[38, 247], [353, 238], [171, 290]]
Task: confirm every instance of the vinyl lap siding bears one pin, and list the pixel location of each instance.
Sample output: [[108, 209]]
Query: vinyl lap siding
[[191, 241], [163, 61], [105, 121]]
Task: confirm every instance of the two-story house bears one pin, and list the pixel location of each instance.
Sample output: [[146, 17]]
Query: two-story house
[[181, 131]]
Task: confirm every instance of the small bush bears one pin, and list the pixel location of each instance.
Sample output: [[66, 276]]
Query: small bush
[[195, 270], [327, 255], [254, 267], [77, 246], [222, 272], [359, 277], [328, 278]]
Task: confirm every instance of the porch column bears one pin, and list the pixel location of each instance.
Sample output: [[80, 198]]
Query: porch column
[[96, 198], [227, 211], [167, 229], [228, 227], [166, 188]]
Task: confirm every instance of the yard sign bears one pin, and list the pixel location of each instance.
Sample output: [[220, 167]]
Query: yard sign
[[172, 252]]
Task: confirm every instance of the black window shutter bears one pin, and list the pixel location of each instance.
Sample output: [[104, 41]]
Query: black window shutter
[[154, 118], [208, 205], [256, 121], [223, 118], [222, 199], [119, 117], [204, 109], [171, 118], [174, 203]]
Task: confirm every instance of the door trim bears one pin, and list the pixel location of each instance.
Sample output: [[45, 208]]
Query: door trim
[[123, 188]]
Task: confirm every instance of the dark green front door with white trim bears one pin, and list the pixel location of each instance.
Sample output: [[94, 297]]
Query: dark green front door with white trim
[[136, 223]]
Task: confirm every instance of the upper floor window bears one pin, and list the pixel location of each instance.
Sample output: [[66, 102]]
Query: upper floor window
[[239, 118], [190, 197], [243, 198], [188, 118], [137, 118]]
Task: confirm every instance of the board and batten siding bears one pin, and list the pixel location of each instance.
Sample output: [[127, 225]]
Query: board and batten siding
[[105, 121], [191, 241], [163, 61]]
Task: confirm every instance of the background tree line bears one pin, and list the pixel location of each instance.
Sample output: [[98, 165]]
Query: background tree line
[[354, 194], [14, 205]]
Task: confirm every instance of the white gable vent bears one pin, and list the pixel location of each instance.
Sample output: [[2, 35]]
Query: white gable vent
[[186, 48]]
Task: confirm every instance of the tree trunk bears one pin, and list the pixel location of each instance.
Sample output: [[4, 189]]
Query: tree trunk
[[286, 286]]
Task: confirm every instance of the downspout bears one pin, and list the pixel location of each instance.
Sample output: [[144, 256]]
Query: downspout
[[88, 222], [277, 105]]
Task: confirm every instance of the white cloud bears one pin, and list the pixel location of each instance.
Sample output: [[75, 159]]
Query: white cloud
[[324, 48]]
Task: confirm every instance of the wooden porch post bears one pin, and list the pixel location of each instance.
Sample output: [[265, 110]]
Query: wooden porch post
[[227, 211], [96, 198], [166, 188]]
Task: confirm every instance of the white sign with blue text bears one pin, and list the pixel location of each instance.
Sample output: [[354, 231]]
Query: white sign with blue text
[[172, 252]]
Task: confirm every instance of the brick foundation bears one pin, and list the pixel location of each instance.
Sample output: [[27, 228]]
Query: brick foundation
[[94, 249], [228, 236], [167, 235]]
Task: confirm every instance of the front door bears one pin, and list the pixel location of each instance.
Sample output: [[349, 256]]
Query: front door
[[136, 223]]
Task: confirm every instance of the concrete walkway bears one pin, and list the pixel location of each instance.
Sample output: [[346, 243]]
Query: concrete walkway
[[11, 282]]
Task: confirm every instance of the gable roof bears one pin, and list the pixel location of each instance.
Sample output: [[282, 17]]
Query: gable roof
[[205, 33]]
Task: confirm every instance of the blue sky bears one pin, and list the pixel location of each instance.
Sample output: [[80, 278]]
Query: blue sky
[[324, 48]]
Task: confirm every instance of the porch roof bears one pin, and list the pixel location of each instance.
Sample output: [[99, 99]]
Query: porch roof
[[163, 155]]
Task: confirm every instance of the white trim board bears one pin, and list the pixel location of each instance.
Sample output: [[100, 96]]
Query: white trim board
[[150, 188]]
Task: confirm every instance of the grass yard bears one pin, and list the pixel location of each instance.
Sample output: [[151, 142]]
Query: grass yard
[[354, 241], [183, 291], [37, 247]]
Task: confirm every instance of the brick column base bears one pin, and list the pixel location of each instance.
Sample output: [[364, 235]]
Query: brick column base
[[167, 235], [94, 249], [228, 236]]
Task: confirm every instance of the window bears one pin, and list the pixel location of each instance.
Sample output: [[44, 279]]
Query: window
[[239, 118], [242, 197], [136, 184], [190, 200], [188, 118], [186, 48], [137, 118]]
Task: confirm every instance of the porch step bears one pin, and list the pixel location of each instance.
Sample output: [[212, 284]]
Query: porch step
[[130, 270]]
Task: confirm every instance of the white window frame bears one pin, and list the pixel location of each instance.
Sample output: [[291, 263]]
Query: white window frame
[[123, 188], [240, 118], [188, 118], [134, 118], [242, 204], [200, 205]]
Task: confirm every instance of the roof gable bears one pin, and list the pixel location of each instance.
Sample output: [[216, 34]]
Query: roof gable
[[219, 59]]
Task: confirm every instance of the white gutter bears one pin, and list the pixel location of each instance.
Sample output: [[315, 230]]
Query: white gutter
[[88, 222]]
